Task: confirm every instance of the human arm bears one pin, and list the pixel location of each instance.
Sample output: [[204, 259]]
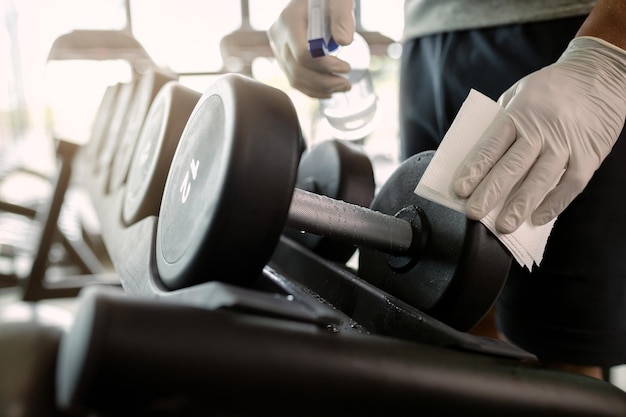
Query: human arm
[[315, 77], [607, 21], [560, 120]]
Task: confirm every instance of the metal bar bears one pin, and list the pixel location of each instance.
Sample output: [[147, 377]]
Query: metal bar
[[349, 223]]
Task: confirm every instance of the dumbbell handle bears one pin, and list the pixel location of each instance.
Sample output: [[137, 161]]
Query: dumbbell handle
[[321, 215]]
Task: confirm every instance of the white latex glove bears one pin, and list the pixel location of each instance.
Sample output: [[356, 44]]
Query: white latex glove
[[315, 77], [562, 119]]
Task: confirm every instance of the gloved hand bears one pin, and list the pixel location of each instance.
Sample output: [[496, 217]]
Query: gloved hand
[[562, 119], [315, 77]]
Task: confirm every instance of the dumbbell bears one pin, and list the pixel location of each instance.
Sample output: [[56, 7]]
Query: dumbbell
[[155, 149], [230, 192], [340, 170], [117, 124], [102, 122], [150, 83]]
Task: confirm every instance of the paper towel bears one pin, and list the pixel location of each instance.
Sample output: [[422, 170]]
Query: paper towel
[[527, 243]]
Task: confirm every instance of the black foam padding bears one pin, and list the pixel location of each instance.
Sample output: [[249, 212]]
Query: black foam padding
[[128, 355], [29, 342]]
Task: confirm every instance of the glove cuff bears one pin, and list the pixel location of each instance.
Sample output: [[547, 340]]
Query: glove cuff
[[599, 47], [592, 41], [599, 57]]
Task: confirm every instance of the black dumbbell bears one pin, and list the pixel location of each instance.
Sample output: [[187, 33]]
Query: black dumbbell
[[149, 85], [117, 125], [101, 125], [340, 170], [461, 268], [231, 191], [155, 149]]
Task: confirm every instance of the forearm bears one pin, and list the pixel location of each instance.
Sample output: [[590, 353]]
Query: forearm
[[607, 21]]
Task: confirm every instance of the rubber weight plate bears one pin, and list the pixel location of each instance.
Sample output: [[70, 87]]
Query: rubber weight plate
[[117, 127], [102, 121], [339, 170], [229, 188], [156, 145], [462, 267], [148, 87]]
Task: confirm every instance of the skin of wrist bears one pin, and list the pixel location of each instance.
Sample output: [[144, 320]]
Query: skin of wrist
[[607, 21]]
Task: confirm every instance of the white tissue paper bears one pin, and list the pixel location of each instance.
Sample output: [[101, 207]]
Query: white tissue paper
[[527, 243]]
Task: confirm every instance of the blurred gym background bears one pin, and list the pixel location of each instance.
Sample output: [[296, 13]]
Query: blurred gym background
[[41, 95]]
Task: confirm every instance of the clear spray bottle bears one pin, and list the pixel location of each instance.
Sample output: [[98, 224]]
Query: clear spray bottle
[[351, 113]]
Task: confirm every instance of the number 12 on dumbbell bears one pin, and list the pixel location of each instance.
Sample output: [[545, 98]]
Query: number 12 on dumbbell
[[185, 187]]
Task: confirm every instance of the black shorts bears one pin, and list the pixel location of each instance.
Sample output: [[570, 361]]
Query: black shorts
[[572, 308]]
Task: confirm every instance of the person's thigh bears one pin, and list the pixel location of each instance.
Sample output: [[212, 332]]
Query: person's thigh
[[438, 71], [572, 308]]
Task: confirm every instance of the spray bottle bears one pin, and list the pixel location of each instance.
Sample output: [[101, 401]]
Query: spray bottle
[[351, 113]]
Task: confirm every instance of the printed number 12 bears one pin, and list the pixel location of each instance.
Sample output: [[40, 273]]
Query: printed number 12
[[185, 187]]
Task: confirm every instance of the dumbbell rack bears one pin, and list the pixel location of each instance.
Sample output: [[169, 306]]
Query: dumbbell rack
[[307, 338]]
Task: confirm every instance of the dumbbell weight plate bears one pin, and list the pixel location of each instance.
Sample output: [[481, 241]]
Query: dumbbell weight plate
[[117, 126], [156, 145], [102, 121], [229, 188], [339, 170], [462, 267], [149, 85]]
